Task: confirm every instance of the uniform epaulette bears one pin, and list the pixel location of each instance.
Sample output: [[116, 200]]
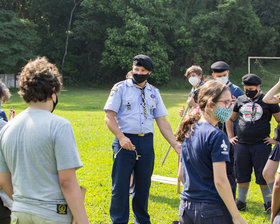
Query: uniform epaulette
[[119, 83], [153, 87]]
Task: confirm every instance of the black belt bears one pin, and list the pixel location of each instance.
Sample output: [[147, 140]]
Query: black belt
[[140, 134]]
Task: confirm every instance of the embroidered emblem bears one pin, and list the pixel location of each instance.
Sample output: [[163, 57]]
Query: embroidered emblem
[[128, 106], [153, 96], [224, 147], [61, 209], [113, 90]]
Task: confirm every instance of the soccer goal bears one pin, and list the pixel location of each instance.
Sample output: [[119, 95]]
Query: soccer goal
[[259, 63]]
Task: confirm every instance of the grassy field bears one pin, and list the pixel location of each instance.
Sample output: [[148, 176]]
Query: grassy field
[[84, 109]]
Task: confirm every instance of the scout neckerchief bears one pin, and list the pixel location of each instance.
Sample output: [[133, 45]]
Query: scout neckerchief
[[254, 111], [195, 89], [143, 97]]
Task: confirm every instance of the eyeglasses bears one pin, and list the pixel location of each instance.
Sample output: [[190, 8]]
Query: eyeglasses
[[228, 103]]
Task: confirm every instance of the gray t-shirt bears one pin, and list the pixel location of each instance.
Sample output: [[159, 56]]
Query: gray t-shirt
[[34, 146]]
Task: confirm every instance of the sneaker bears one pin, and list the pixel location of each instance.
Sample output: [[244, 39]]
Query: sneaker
[[267, 207], [241, 205]]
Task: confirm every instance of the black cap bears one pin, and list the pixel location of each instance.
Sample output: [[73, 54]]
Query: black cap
[[143, 60], [219, 66], [251, 80]]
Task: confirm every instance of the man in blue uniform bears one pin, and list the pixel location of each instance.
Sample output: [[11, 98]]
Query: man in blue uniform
[[220, 72], [131, 108]]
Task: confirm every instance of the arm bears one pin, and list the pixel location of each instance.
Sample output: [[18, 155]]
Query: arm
[[275, 207], [6, 184], [73, 195], [167, 133], [114, 128], [223, 187], [277, 117], [229, 128], [270, 96]]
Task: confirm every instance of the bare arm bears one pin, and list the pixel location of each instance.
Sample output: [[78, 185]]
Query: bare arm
[[73, 195], [223, 187], [6, 184], [275, 207], [114, 128], [229, 128], [167, 133], [270, 96], [277, 117]]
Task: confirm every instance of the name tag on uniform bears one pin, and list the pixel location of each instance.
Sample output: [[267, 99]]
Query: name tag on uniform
[[61, 209]]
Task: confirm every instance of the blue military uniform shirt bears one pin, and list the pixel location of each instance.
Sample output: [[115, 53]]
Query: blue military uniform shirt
[[125, 99]]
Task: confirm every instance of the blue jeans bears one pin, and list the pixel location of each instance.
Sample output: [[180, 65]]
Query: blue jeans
[[124, 163], [201, 212]]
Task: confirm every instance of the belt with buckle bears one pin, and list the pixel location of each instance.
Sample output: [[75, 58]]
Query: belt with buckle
[[140, 134]]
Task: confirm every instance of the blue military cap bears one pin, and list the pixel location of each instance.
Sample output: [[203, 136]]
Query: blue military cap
[[143, 60], [219, 66], [251, 80]]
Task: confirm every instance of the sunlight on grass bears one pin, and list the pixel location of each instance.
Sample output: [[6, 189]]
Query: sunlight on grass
[[84, 109]]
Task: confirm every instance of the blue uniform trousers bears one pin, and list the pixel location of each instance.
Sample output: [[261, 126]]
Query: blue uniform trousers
[[124, 163], [203, 213]]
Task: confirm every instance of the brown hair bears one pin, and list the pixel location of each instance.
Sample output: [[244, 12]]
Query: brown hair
[[209, 92], [4, 92], [38, 80], [193, 69]]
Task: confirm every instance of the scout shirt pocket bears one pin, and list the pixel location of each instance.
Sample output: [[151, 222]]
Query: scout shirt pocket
[[128, 106]]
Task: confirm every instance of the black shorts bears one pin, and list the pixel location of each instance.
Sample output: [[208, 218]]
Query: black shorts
[[248, 157], [275, 153], [5, 214]]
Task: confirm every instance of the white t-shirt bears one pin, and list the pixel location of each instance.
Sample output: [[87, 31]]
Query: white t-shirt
[[34, 146]]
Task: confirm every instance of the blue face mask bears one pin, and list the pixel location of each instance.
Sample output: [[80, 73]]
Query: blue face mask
[[223, 114]]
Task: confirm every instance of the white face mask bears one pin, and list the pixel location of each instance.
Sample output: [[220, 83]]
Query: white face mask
[[193, 80], [223, 79]]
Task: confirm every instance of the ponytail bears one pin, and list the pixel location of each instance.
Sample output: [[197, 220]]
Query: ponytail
[[186, 127]]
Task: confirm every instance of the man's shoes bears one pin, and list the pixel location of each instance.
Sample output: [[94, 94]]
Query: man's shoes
[[175, 222], [241, 205], [267, 207]]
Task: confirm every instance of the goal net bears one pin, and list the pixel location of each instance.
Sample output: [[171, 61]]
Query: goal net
[[267, 68]]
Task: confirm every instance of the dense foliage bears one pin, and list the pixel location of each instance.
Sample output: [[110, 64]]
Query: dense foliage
[[105, 34]]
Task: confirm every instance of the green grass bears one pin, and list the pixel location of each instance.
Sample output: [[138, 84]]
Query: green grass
[[84, 109]]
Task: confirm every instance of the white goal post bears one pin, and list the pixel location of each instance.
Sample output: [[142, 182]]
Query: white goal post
[[257, 57]]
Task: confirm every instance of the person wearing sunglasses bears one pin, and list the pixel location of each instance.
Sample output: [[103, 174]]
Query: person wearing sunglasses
[[251, 142]]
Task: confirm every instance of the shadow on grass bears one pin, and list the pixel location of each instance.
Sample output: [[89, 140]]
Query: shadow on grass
[[172, 202]]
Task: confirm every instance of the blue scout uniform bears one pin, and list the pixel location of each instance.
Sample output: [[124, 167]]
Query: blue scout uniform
[[200, 201], [135, 118]]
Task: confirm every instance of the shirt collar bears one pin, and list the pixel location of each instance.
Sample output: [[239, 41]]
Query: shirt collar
[[130, 83]]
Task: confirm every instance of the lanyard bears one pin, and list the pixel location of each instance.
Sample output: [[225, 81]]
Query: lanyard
[[254, 109]]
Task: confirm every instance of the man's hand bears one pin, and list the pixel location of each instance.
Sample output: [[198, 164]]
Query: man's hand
[[233, 140], [126, 143], [178, 148], [269, 141]]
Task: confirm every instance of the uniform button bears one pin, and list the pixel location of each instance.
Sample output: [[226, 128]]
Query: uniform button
[[142, 123]]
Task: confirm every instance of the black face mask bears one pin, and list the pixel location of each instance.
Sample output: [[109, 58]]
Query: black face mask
[[55, 103], [251, 93], [140, 78]]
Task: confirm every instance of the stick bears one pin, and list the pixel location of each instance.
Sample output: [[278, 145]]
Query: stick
[[167, 152]]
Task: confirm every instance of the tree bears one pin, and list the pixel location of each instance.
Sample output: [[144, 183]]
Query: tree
[[18, 38]]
